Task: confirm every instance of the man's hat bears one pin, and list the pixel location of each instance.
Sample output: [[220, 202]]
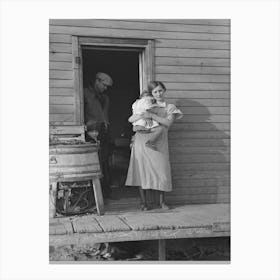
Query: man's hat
[[105, 78]]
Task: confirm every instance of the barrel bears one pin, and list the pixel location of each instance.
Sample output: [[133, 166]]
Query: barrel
[[77, 161]]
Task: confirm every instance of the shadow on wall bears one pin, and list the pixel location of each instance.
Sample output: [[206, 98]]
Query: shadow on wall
[[199, 153]]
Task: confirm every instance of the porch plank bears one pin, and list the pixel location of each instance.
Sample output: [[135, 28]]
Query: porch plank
[[86, 224], [112, 223], [152, 221], [60, 226]]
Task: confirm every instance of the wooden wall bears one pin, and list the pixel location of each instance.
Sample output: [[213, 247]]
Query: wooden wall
[[192, 58]]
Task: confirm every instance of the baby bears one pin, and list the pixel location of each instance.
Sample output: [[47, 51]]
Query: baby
[[147, 103]]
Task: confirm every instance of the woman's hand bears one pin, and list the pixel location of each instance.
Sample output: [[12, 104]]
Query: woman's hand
[[164, 121], [147, 115]]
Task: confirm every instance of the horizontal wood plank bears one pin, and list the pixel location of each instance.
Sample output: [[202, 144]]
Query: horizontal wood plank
[[199, 175], [174, 199], [113, 41], [61, 91], [199, 150], [193, 158], [187, 189], [61, 119], [192, 44], [222, 155], [180, 195], [199, 126], [61, 74], [61, 100], [211, 22], [203, 102], [170, 52], [61, 83], [68, 129], [196, 86], [61, 57], [63, 123], [204, 118], [199, 134], [179, 167], [203, 184], [222, 143], [201, 198], [205, 110], [211, 199], [141, 25], [60, 48], [193, 78], [219, 191], [197, 94], [90, 238], [167, 69], [131, 33], [60, 65], [185, 61], [60, 38], [62, 109]]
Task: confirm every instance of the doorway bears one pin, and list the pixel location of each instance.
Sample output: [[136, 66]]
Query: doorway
[[123, 66]]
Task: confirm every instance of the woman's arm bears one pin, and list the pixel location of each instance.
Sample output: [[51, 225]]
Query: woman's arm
[[164, 121], [135, 117]]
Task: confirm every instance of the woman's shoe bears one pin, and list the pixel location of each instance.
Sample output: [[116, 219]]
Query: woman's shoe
[[143, 207], [164, 206]]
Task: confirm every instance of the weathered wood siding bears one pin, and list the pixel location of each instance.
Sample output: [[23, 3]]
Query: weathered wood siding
[[192, 58]]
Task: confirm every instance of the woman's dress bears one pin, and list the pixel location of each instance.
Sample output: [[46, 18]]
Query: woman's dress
[[148, 168]]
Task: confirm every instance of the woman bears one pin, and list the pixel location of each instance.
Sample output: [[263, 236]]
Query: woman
[[150, 169]]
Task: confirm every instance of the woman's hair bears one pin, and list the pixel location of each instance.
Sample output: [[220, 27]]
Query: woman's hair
[[153, 84]]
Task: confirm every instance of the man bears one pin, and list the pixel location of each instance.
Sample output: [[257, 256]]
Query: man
[[96, 105]]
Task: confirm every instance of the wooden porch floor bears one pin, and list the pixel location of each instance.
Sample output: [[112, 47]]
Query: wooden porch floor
[[188, 221]]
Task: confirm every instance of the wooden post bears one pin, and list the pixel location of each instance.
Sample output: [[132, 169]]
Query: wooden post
[[52, 199], [162, 250], [98, 196]]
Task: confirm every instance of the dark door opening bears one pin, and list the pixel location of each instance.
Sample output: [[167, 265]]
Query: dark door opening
[[123, 67]]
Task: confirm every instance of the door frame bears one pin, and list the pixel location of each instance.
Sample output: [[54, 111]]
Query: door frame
[[145, 48]]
